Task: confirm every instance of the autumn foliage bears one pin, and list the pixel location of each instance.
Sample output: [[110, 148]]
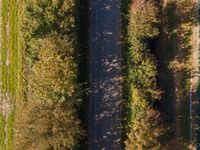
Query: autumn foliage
[[142, 131], [48, 116]]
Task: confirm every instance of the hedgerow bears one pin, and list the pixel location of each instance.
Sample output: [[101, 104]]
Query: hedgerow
[[49, 112], [142, 131]]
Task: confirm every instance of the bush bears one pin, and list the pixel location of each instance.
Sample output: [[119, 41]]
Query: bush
[[50, 115], [44, 125], [43, 17], [142, 26], [56, 70], [48, 118], [142, 127]]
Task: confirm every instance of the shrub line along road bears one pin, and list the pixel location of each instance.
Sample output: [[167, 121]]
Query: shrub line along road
[[105, 124]]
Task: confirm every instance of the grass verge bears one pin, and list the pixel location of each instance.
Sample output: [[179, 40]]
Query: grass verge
[[2, 134], [11, 63]]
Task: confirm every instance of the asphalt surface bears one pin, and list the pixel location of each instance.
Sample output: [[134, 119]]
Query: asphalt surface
[[105, 123]]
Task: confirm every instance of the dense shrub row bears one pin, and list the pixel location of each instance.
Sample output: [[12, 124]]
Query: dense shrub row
[[52, 95], [142, 131]]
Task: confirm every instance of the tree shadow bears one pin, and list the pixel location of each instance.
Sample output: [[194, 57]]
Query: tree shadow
[[174, 70], [82, 22], [125, 7]]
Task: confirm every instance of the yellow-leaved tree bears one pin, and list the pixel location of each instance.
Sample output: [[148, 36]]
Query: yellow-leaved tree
[[142, 129], [48, 120]]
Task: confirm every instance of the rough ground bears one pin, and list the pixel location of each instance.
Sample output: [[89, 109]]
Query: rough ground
[[6, 109], [174, 55], [105, 125]]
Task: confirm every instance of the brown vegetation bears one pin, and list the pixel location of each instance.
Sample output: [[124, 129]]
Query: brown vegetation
[[47, 118]]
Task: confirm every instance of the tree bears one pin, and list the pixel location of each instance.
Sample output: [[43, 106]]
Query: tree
[[143, 19], [142, 120], [42, 17], [44, 125], [142, 127], [49, 118]]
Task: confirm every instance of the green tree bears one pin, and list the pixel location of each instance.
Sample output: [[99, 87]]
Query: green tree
[[42, 17]]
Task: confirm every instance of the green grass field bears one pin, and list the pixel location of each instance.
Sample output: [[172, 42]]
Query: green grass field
[[10, 67], [2, 134]]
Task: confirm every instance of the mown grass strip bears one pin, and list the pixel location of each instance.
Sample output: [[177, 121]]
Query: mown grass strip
[[14, 61], [13, 44], [4, 13], [2, 134], [10, 130], [11, 60]]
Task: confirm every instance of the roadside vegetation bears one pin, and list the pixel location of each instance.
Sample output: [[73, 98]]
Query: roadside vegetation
[[158, 47], [49, 110], [44, 74], [142, 119], [2, 134]]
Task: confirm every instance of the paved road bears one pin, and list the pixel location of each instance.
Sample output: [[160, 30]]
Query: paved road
[[105, 126]]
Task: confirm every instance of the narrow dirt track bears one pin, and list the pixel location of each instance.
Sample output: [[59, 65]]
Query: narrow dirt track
[[105, 124]]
